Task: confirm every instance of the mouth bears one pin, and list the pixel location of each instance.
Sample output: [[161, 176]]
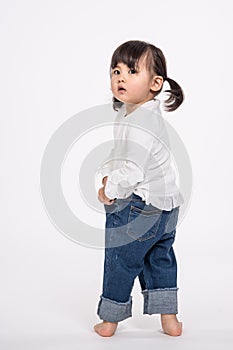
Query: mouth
[[120, 88]]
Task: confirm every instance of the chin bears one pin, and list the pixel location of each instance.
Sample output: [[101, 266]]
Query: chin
[[120, 99]]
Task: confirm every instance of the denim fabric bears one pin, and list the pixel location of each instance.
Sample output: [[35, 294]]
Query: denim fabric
[[138, 239], [114, 311], [160, 301]]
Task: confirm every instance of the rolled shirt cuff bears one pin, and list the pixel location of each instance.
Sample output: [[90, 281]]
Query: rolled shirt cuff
[[104, 172], [118, 190]]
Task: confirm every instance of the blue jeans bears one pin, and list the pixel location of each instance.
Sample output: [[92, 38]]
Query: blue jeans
[[138, 243]]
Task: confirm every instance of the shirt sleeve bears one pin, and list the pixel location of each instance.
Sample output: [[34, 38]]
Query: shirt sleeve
[[107, 166], [135, 151]]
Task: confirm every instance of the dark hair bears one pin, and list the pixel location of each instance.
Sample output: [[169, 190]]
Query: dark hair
[[130, 52]]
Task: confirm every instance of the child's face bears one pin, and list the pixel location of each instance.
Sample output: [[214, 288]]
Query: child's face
[[134, 86]]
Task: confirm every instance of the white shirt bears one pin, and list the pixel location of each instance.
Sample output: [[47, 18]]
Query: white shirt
[[140, 161]]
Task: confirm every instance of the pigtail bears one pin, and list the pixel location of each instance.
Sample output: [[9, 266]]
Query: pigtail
[[176, 96]]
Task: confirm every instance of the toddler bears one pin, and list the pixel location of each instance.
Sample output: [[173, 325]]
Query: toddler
[[139, 193]]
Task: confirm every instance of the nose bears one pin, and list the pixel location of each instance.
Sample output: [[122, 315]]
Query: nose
[[121, 79]]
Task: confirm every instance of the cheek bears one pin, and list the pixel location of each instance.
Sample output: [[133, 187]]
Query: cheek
[[142, 85], [137, 87], [112, 84]]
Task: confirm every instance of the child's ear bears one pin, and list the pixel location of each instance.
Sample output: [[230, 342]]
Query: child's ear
[[157, 83]]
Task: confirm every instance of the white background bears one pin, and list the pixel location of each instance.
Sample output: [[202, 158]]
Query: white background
[[55, 57]]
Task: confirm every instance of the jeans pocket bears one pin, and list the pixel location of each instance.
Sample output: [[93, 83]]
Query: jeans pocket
[[143, 223]]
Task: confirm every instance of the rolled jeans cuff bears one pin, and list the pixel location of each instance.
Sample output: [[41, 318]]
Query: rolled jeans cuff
[[160, 301], [113, 311]]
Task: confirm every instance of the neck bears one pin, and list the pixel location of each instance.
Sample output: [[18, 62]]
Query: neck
[[130, 107]]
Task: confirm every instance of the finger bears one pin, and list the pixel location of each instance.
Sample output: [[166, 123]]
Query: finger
[[109, 202]]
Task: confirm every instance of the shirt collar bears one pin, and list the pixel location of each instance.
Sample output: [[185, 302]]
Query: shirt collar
[[152, 105]]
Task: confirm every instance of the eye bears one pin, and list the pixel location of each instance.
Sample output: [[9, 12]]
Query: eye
[[132, 71], [116, 71]]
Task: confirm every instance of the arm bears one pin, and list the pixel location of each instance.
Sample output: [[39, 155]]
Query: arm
[[107, 166], [104, 170], [134, 154], [101, 194]]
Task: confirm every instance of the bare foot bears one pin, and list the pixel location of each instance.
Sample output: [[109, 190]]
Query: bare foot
[[171, 325], [106, 329]]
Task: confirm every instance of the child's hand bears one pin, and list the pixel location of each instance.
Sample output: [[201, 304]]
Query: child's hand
[[103, 198], [104, 180]]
